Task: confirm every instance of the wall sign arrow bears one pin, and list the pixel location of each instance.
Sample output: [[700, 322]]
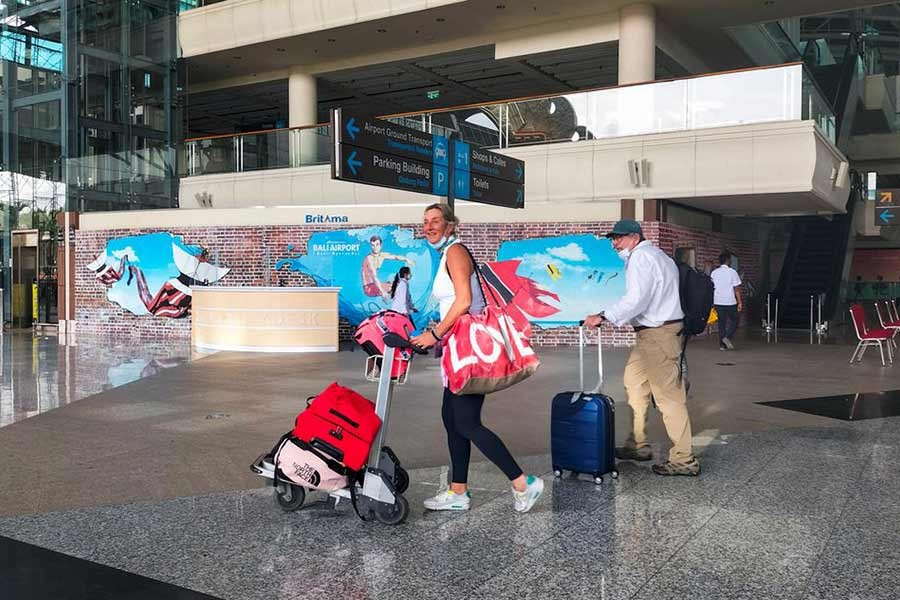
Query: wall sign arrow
[[886, 216], [352, 129], [353, 163]]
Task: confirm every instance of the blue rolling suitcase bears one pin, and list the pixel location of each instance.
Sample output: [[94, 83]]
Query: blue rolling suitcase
[[582, 427]]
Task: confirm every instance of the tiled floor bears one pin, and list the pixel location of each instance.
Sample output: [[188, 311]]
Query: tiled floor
[[149, 476], [793, 514]]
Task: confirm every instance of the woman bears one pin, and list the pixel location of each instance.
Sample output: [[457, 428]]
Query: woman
[[401, 299], [453, 289]]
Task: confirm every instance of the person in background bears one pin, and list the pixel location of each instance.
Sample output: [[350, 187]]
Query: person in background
[[727, 300], [401, 299]]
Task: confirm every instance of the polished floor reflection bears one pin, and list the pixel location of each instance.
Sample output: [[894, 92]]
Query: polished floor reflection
[[847, 407], [794, 514], [39, 374]]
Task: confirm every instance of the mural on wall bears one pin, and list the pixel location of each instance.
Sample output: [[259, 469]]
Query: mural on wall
[[582, 272], [555, 281], [153, 273], [363, 262]]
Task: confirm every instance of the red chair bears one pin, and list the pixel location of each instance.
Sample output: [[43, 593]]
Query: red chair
[[892, 323], [869, 337]]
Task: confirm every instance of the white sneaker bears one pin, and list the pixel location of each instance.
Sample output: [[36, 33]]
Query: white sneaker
[[526, 499], [448, 500]]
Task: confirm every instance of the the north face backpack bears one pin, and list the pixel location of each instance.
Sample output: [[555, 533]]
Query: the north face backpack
[[696, 291]]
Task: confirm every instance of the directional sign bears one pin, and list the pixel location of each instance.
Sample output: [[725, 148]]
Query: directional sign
[[491, 164], [887, 216], [377, 134], [887, 197], [387, 170], [377, 152]]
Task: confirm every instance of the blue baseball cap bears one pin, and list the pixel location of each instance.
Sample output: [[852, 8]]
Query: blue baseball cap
[[625, 227]]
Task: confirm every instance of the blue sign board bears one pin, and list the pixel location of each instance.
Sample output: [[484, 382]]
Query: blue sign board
[[378, 152]]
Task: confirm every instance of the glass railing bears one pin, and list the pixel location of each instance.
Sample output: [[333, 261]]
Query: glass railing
[[275, 149], [771, 94]]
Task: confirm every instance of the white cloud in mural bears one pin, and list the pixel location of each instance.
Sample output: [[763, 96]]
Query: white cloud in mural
[[571, 251], [127, 252], [537, 261]]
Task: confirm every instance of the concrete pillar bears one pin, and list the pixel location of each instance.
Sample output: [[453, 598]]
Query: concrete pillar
[[637, 44], [302, 110]]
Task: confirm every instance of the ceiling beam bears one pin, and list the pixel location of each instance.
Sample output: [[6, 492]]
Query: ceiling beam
[[539, 75], [470, 93]]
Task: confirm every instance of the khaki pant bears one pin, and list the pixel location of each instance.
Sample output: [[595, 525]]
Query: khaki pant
[[653, 370]]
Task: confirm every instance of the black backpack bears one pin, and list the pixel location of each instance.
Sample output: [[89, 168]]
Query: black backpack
[[696, 291]]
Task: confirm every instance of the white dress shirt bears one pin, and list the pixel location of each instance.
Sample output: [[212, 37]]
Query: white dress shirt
[[651, 289]]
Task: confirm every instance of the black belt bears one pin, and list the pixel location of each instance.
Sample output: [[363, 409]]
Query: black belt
[[643, 327]]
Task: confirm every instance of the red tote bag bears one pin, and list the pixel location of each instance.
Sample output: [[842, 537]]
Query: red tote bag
[[489, 351]]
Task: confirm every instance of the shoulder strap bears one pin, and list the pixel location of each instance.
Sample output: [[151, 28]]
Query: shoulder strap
[[481, 281]]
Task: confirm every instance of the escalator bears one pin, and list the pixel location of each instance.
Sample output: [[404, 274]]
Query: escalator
[[818, 248], [814, 262]]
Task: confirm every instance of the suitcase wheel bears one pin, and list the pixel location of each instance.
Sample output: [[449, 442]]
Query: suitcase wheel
[[598, 479], [614, 474], [557, 472]]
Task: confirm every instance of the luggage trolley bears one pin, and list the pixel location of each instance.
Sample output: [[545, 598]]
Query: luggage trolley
[[377, 491]]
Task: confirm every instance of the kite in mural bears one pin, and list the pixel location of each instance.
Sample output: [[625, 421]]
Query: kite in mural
[[523, 292], [554, 272], [155, 261], [569, 270]]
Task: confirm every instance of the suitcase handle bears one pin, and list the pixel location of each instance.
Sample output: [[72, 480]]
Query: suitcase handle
[[598, 389]]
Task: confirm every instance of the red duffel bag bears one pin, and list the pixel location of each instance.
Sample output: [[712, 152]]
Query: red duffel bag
[[341, 424]]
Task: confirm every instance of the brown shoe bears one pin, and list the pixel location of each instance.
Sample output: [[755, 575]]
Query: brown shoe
[[631, 453], [690, 468]]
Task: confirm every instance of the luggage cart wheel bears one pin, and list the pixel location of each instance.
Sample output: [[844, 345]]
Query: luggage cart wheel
[[598, 479], [557, 472], [393, 514], [290, 497], [614, 474], [401, 479]]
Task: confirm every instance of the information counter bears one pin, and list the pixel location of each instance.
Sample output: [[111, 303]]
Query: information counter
[[265, 319]]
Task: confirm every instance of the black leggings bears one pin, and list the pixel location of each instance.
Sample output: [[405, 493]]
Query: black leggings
[[462, 420]]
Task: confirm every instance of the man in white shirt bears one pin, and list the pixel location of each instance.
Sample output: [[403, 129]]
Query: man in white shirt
[[652, 306], [727, 300]]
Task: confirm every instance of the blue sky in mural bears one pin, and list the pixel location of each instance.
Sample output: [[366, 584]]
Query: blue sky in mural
[[583, 269], [153, 254], [340, 258]]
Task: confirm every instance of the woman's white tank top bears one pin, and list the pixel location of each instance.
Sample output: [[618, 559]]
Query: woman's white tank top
[[442, 288]]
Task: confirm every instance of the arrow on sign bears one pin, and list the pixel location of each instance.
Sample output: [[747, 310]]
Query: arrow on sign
[[518, 171], [352, 162], [886, 216], [352, 130]]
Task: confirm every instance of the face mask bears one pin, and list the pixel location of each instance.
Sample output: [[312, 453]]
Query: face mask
[[439, 245], [624, 253]]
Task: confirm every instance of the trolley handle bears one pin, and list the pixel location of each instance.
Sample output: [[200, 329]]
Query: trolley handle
[[598, 389]]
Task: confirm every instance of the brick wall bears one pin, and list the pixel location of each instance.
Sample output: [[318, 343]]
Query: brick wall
[[251, 253]]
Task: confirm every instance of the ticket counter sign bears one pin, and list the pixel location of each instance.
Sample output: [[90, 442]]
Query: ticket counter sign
[[373, 151], [887, 207]]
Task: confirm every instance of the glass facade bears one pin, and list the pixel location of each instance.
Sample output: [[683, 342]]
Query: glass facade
[[88, 119]]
